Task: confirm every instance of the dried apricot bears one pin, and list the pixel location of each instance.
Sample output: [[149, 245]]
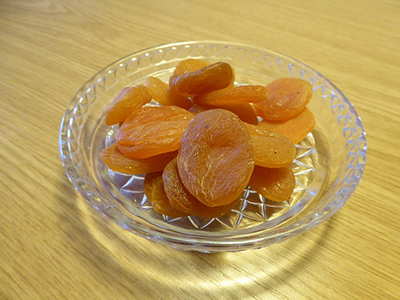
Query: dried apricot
[[286, 97], [127, 101], [295, 129], [155, 193], [210, 78], [271, 149], [161, 93], [118, 162], [189, 65], [235, 95], [244, 111], [274, 184], [192, 65], [216, 157], [152, 130], [205, 144], [180, 198]]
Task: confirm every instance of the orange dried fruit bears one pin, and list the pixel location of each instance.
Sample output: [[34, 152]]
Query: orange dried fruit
[[274, 184], [216, 157], [244, 111], [217, 151], [189, 65], [232, 83], [234, 95], [116, 161], [286, 97], [155, 193], [210, 78], [180, 198], [127, 101], [161, 93], [151, 131], [295, 129], [192, 65], [271, 149]]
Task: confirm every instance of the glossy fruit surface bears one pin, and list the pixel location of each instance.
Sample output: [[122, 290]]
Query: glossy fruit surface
[[275, 184], [216, 157], [210, 78], [286, 97], [155, 193], [128, 100], [116, 161], [151, 131], [295, 128], [271, 149], [180, 198]]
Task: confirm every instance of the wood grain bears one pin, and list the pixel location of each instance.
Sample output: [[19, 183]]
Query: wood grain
[[54, 246]]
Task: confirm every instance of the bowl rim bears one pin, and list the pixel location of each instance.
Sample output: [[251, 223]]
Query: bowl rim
[[256, 239]]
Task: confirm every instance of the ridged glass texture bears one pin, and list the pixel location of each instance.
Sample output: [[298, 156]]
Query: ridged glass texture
[[328, 166]]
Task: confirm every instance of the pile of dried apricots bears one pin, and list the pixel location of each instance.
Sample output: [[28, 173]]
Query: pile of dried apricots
[[205, 144]]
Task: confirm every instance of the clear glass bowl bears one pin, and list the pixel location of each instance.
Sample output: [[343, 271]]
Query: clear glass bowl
[[328, 166]]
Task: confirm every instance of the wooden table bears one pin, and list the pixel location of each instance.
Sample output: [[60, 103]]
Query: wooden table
[[54, 246]]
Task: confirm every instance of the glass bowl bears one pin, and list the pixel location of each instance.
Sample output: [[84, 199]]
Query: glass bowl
[[328, 166]]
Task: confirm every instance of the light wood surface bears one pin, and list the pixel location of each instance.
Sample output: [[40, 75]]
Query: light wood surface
[[54, 246]]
